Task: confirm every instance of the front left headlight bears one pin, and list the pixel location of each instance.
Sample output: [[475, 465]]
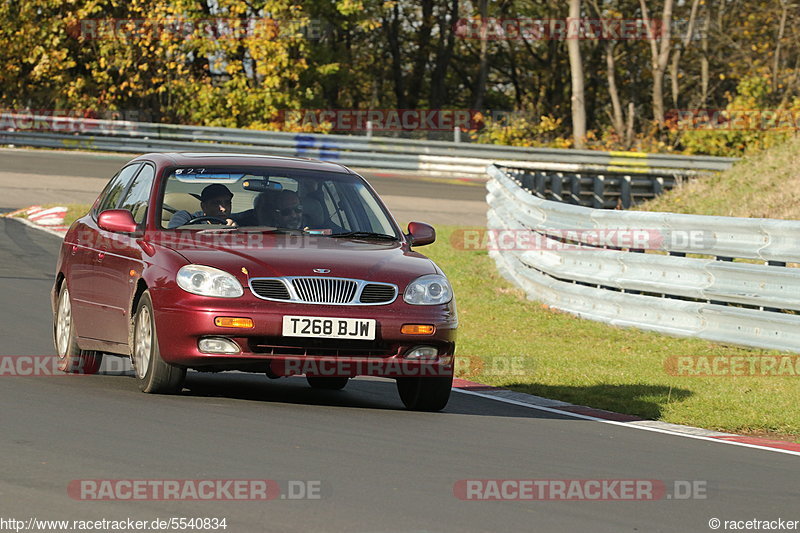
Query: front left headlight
[[431, 289], [209, 281]]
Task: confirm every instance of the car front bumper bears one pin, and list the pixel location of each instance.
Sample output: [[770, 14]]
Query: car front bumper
[[183, 319]]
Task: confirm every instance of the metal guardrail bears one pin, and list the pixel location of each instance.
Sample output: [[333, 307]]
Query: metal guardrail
[[602, 189], [705, 295], [430, 157]]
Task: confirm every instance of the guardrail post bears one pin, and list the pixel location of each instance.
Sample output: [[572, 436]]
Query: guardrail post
[[556, 184], [625, 191], [457, 134], [539, 184], [658, 186], [598, 189], [777, 264], [369, 129], [575, 189], [526, 181]]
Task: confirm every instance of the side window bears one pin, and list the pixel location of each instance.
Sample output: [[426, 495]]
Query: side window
[[138, 195], [113, 191]]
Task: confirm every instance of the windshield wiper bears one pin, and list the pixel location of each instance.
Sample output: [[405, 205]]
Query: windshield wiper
[[365, 235]]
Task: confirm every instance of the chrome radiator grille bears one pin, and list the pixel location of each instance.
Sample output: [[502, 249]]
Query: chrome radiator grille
[[323, 290]]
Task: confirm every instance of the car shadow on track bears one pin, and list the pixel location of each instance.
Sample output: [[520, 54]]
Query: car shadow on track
[[361, 393], [381, 394], [645, 401], [295, 390]]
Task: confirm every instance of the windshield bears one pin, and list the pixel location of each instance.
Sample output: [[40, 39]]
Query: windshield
[[324, 203]]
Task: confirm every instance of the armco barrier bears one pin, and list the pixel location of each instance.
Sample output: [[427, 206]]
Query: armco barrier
[[428, 157], [705, 295]]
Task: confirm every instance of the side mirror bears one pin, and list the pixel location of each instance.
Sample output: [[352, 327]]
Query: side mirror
[[421, 233], [117, 221]]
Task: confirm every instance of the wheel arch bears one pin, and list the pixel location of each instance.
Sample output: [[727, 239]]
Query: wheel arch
[[56, 290], [141, 287]]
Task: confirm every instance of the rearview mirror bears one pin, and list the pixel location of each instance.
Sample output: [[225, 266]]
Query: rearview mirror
[[261, 185], [421, 233], [117, 221]]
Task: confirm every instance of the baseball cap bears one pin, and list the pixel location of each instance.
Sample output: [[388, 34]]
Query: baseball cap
[[215, 190]]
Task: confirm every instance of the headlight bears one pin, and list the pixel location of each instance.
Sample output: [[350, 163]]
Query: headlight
[[431, 289], [208, 281]]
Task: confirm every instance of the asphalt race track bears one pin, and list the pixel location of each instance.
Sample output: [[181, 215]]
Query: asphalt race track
[[378, 467], [29, 177]]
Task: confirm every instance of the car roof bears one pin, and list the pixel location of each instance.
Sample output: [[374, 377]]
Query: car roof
[[222, 159]]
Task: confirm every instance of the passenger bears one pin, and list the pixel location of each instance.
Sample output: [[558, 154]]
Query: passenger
[[281, 209]]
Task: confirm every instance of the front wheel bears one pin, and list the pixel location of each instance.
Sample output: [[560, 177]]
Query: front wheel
[[425, 393], [154, 375], [71, 359]]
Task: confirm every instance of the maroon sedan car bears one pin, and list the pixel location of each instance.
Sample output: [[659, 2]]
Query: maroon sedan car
[[282, 266]]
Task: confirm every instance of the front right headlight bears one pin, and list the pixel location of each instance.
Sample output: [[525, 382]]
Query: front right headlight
[[431, 289], [209, 281]]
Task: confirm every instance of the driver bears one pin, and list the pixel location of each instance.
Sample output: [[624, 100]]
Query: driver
[[215, 201]]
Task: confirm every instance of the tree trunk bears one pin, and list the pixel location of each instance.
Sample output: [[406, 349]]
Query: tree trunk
[[421, 60], [611, 66], [483, 68], [576, 72], [444, 55], [781, 30], [704, 72], [393, 37], [629, 131], [659, 50], [676, 57]]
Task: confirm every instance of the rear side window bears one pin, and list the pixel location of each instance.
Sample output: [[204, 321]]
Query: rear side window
[[138, 195], [112, 194]]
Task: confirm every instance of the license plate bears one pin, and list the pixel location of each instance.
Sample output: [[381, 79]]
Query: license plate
[[329, 328]]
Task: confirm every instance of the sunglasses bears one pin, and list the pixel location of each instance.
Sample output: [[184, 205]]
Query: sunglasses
[[286, 211]]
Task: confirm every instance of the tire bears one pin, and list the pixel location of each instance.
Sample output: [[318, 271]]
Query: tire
[[425, 393], [329, 383], [153, 374], [71, 359]]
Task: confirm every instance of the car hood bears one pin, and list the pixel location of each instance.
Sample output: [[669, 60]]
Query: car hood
[[273, 255]]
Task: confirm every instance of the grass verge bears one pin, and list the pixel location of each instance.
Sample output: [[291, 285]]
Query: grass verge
[[766, 185], [527, 347]]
